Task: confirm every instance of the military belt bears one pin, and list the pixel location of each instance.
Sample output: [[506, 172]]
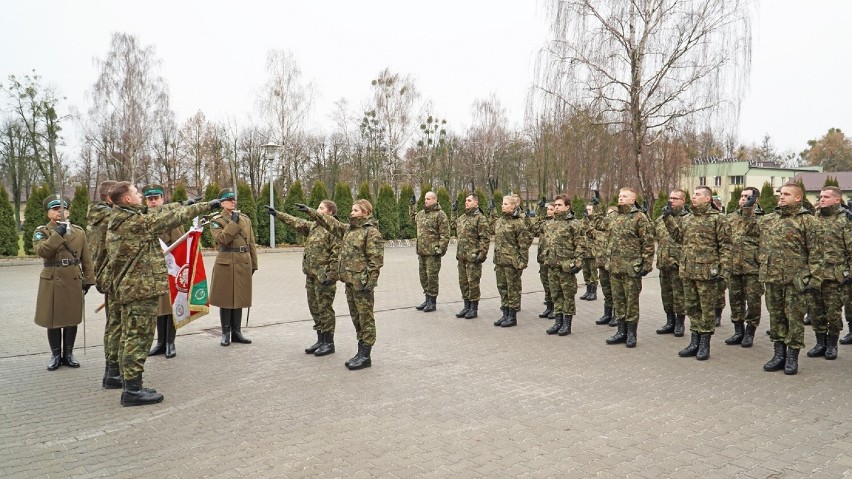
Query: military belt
[[63, 262], [240, 249]]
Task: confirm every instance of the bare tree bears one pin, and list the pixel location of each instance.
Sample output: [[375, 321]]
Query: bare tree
[[487, 141], [391, 116], [645, 64]]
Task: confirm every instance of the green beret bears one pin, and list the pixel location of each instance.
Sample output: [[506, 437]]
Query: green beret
[[226, 194], [153, 190], [54, 200]]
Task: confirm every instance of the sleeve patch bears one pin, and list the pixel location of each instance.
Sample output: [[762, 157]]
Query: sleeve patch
[[38, 235], [214, 225]]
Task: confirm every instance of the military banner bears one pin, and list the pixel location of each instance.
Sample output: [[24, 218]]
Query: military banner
[[187, 278]]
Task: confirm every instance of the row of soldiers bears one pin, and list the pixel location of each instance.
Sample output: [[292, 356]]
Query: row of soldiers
[[799, 256]]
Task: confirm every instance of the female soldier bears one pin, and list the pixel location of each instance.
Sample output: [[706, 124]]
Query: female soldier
[[361, 258], [512, 241], [62, 284]]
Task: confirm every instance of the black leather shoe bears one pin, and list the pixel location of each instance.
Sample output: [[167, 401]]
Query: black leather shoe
[[818, 349], [831, 346], [473, 311], [593, 293], [422, 305], [620, 335], [313, 347], [160, 345], [432, 305], [630, 340], [327, 346], [54, 339], [703, 347], [511, 319], [791, 367], [777, 361], [505, 316], [748, 336], [135, 395], [69, 336], [607, 316], [225, 320], [669, 327], [236, 327], [739, 333], [565, 330], [112, 377], [548, 310], [557, 325], [680, 319], [692, 348], [464, 309], [362, 359]]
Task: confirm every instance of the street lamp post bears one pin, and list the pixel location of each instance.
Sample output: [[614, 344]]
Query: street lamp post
[[270, 149]]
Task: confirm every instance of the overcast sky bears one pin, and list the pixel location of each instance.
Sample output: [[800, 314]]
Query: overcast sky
[[213, 54]]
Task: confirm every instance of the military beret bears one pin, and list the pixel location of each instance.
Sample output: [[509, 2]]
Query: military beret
[[54, 200], [226, 194], [153, 190]]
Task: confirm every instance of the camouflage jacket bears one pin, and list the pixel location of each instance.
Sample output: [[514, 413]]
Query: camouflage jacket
[[668, 251], [706, 244], [321, 256], [362, 251], [630, 244], [566, 245], [836, 237], [136, 267], [433, 230], [790, 248], [745, 239], [97, 219], [537, 227], [598, 237], [472, 229], [512, 240]]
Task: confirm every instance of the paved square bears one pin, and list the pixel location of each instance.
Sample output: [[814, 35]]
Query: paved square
[[445, 397]]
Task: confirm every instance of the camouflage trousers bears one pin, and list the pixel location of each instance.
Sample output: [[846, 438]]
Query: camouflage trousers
[[470, 275], [786, 314], [590, 271], [138, 321], [430, 266], [720, 299], [563, 289], [827, 307], [112, 330], [701, 300], [625, 296], [744, 292], [509, 286], [544, 275], [606, 286], [361, 310], [321, 304], [671, 291]]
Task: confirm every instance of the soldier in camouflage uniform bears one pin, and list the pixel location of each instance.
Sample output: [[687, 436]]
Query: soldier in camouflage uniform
[[138, 274], [433, 236], [566, 250], [629, 258], [705, 260], [320, 262], [789, 265], [590, 271], [512, 241], [598, 236], [97, 219], [64, 280], [744, 289], [668, 264], [166, 333], [543, 217], [836, 272], [472, 229], [722, 285]]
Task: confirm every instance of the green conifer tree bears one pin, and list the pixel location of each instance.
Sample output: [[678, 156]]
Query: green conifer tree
[[318, 193], [343, 200], [767, 200], [578, 206], [662, 200], [179, 195], [734, 202], [35, 215], [79, 206], [364, 193], [295, 195], [386, 212], [8, 226], [210, 193], [445, 202], [407, 230], [247, 205]]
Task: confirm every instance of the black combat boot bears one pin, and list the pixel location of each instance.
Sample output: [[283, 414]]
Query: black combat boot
[[593, 293], [777, 361], [505, 316], [831, 346], [703, 352], [69, 335], [225, 320], [692, 348], [54, 339], [848, 338], [432, 304], [473, 311], [613, 321], [362, 359], [422, 305], [606, 316], [548, 310], [739, 333], [160, 345], [565, 330], [585, 295], [171, 334], [668, 328], [678, 328], [327, 346], [792, 365], [313, 347], [236, 327], [630, 341], [557, 325], [718, 318], [464, 310], [511, 318], [112, 376], [819, 348], [135, 395], [620, 335], [748, 336]]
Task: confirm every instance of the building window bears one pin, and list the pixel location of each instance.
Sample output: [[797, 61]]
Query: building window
[[736, 180], [702, 180], [717, 181]]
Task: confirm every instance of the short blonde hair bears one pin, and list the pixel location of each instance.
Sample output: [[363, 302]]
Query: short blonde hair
[[364, 205]]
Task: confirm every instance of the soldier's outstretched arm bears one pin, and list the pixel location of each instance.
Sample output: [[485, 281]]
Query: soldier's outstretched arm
[[300, 225], [164, 219], [332, 224]]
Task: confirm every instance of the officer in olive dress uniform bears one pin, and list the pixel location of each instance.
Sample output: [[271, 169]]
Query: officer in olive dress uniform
[[154, 198], [235, 264], [65, 278]]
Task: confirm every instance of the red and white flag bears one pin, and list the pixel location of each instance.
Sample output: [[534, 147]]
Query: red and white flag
[[187, 279]]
